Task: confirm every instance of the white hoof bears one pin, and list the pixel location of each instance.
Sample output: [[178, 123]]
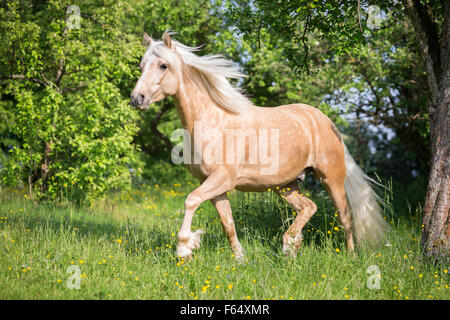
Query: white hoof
[[239, 253], [239, 256], [184, 249], [183, 252], [291, 245]]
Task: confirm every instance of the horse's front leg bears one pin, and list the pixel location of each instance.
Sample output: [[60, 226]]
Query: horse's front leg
[[222, 205], [216, 184]]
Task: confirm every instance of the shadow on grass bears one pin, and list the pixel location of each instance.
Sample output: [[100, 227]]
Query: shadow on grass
[[262, 217], [266, 217], [60, 221]]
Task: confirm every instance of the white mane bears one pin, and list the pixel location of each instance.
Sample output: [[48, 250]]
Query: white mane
[[213, 70]]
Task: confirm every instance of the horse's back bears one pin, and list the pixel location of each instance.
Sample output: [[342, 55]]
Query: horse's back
[[313, 114], [326, 142], [304, 109], [307, 116]]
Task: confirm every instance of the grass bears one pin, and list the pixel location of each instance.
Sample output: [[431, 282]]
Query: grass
[[124, 248]]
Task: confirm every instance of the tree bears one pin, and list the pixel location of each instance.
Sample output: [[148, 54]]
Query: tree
[[343, 25], [62, 74], [431, 21], [386, 87]]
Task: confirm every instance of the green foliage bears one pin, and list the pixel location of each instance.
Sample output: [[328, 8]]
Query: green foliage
[[72, 124], [340, 23], [385, 86]]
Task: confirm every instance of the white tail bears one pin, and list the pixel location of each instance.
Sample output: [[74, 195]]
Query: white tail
[[369, 225]]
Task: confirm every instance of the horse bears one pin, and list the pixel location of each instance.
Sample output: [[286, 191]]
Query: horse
[[302, 140]]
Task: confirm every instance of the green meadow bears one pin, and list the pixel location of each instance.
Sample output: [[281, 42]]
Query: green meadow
[[123, 247]]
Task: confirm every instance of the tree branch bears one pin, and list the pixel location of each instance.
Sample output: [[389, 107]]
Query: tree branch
[[154, 126], [43, 82], [428, 38], [104, 25], [80, 86], [305, 45], [59, 72]]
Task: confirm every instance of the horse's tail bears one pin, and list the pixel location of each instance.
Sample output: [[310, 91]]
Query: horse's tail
[[369, 225]]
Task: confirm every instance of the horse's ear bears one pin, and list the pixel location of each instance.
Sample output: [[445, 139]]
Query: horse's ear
[[147, 39], [167, 40]]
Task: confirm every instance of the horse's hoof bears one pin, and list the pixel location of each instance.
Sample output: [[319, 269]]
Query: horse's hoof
[[240, 258], [289, 251], [290, 254], [184, 253]]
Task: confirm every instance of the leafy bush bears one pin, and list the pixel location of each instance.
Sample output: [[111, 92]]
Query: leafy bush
[[62, 99]]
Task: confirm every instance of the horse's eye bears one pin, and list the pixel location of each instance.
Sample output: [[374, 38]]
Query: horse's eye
[[164, 66]]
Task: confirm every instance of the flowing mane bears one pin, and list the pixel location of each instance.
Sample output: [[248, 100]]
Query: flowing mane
[[213, 70]]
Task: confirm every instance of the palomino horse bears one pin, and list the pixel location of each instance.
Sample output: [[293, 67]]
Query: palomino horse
[[301, 138]]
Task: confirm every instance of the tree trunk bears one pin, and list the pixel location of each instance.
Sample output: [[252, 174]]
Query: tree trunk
[[436, 54], [436, 229], [44, 167], [154, 126]]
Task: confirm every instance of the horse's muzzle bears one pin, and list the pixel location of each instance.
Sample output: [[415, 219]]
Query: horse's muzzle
[[137, 100]]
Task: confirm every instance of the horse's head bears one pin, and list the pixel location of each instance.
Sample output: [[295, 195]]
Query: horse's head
[[160, 76]]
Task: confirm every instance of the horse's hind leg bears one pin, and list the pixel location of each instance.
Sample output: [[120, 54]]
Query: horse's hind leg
[[305, 209], [334, 182], [336, 190]]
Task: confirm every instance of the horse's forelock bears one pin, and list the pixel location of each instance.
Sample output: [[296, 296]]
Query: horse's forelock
[[158, 49]]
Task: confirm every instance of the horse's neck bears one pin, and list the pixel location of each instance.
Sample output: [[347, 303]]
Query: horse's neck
[[194, 103]]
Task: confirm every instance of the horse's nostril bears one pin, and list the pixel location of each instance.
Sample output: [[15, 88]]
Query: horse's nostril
[[140, 99], [137, 99]]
